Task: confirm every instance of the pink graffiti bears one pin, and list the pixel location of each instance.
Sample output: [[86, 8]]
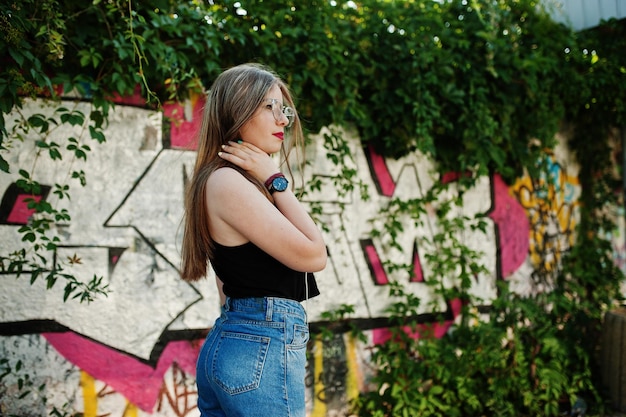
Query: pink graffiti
[[507, 213], [418, 272], [138, 382], [376, 266], [183, 131], [135, 99], [378, 271], [435, 329], [380, 174], [513, 227], [20, 213], [513, 239], [449, 177]]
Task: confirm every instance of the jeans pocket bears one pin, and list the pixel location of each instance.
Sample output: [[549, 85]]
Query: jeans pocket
[[238, 361], [300, 336]]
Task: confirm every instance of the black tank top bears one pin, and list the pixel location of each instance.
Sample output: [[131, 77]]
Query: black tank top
[[247, 271]]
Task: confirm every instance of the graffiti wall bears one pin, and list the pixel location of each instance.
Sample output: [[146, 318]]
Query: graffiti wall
[[132, 353]]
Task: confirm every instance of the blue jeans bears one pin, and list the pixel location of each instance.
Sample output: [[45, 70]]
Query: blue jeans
[[253, 361]]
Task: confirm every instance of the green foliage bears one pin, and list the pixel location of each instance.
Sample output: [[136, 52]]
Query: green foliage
[[344, 178], [337, 319], [474, 84], [479, 80], [528, 356], [15, 381], [39, 236]]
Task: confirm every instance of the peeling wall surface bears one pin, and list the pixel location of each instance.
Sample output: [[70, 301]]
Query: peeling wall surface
[[133, 352]]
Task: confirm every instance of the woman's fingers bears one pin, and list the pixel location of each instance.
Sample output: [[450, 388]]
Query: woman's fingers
[[249, 158], [237, 154]]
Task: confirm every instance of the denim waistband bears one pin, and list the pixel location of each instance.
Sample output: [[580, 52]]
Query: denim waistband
[[269, 305]]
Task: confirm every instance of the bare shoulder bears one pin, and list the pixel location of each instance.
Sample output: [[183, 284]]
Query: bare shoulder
[[226, 179], [224, 174], [231, 201], [228, 192]]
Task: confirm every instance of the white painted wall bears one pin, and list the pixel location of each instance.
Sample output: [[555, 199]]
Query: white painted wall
[[132, 207]]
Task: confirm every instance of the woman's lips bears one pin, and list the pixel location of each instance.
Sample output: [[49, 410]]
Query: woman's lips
[[279, 135]]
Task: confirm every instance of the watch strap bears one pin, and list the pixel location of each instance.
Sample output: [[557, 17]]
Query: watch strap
[[268, 182]]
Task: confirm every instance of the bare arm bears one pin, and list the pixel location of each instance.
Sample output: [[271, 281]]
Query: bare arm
[[220, 290], [240, 213]]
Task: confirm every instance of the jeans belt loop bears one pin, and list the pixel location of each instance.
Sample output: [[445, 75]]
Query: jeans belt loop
[[269, 308]]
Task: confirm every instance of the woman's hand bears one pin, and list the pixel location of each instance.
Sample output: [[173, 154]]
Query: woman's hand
[[250, 158]]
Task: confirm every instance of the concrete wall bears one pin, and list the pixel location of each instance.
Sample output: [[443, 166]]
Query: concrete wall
[[133, 353]]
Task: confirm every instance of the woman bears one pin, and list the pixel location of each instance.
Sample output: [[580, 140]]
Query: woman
[[243, 218]]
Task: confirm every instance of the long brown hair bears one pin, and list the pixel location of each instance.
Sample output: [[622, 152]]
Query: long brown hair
[[231, 102]]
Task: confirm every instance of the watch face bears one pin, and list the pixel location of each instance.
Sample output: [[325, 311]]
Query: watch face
[[280, 184]]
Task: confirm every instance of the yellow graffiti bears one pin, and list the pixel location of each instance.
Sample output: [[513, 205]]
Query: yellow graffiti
[[130, 411], [550, 203], [90, 396], [319, 405], [354, 372]]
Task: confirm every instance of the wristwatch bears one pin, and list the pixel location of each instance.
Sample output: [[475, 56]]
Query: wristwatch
[[276, 182]]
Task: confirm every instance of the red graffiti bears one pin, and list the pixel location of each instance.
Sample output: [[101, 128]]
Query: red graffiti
[[140, 383], [513, 227]]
